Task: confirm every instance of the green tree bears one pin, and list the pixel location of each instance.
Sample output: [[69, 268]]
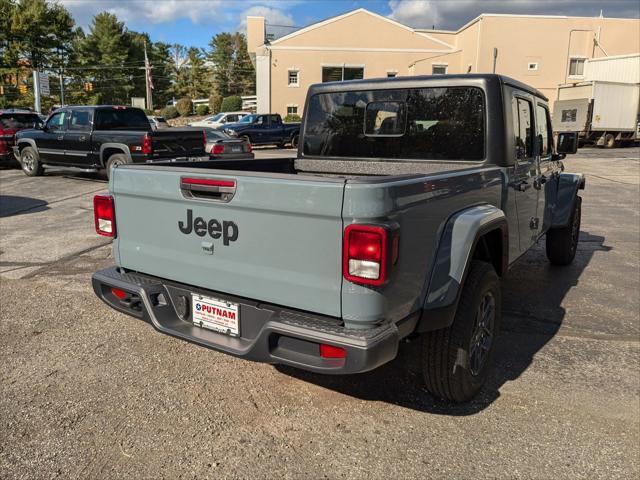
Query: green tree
[[179, 70], [198, 84], [105, 55], [233, 72], [33, 33], [38, 30]]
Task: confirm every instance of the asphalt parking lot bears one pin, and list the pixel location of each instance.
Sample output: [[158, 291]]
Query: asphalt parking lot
[[91, 393]]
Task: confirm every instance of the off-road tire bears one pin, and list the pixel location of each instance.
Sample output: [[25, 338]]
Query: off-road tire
[[447, 353], [115, 159], [562, 243], [30, 162]]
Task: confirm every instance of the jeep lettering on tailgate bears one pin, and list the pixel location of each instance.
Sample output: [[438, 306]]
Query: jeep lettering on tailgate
[[228, 230]]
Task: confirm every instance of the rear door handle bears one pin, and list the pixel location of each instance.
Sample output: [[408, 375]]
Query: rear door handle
[[82, 138]]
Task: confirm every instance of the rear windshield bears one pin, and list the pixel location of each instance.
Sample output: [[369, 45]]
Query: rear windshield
[[121, 119], [425, 123], [214, 135], [18, 121]]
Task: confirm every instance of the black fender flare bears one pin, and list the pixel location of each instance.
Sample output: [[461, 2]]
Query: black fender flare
[[30, 141], [568, 186], [117, 146], [452, 260]]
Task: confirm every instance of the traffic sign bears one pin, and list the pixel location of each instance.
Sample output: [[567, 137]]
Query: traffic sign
[[44, 84]]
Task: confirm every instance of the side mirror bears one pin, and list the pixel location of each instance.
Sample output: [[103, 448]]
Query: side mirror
[[567, 142]]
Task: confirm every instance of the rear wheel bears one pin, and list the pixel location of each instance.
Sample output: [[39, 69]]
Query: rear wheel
[[30, 162], [457, 359], [114, 160], [562, 243], [294, 141]]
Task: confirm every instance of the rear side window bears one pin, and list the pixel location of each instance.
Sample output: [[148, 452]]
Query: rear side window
[[543, 130], [426, 123], [523, 119], [18, 121], [80, 120], [121, 119]]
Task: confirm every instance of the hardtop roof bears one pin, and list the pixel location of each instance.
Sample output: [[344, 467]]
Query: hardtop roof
[[488, 80]]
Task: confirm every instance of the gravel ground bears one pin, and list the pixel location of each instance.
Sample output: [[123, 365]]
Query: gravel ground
[[91, 393]]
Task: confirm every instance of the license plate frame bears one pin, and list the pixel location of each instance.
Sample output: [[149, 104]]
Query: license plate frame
[[215, 314]]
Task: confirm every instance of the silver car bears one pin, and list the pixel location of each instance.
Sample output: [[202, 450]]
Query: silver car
[[222, 146]]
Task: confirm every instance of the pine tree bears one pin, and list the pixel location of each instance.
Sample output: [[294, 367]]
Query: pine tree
[[105, 51]]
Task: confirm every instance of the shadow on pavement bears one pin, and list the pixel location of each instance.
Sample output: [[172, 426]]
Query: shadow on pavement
[[11, 205], [532, 315]]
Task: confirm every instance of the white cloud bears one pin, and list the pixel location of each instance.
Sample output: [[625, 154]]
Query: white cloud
[[452, 14], [156, 11], [274, 16], [415, 13]]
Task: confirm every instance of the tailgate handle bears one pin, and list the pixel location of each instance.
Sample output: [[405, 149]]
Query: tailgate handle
[[216, 190]]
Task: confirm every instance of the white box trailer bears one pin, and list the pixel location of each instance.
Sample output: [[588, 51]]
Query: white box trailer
[[605, 113]]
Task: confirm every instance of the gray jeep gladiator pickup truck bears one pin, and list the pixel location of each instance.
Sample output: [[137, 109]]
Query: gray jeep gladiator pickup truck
[[407, 203]]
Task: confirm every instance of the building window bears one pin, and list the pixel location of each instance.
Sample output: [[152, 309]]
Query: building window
[[576, 67], [438, 69], [292, 110], [293, 78], [338, 74], [531, 66], [392, 74]]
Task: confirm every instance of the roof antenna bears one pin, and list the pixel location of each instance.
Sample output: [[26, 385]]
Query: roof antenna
[[433, 27]]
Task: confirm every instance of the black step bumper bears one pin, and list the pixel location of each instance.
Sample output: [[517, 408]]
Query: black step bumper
[[268, 333]]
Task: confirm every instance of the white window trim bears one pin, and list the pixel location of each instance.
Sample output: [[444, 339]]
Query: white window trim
[[576, 57], [392, 70], [440, 64], [293, 85], [534, 69], [292, 105]]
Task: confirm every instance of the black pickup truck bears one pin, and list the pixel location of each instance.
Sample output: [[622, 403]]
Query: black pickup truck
[[99, 137], [265, 130]]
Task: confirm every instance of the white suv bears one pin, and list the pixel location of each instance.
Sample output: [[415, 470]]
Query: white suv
[[219, 119]]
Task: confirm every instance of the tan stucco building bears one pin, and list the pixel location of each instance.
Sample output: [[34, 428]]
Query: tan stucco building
[[542, 51]]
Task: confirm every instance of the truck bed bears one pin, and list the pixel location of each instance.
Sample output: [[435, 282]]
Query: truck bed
[[339, 168]]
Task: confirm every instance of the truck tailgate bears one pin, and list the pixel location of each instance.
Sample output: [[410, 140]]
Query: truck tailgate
[[176, 142], [278, 239]]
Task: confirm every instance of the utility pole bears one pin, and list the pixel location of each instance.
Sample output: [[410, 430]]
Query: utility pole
[[61, 77], [147, 79], [36, 90]]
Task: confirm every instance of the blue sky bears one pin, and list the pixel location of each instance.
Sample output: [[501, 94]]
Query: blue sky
[[194, 22]]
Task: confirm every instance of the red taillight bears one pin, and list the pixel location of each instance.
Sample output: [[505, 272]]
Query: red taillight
[[329, 351], [218, 148], [121, 294], [249, 147], [104, 214], [147, 146], [365, 254]]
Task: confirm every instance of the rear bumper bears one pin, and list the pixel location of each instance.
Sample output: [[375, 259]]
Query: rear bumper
[[268, 333]]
